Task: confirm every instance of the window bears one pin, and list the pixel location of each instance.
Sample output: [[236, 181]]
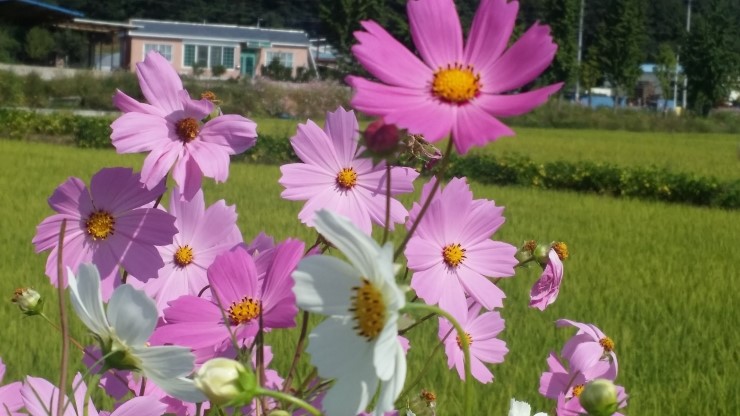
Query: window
[[164, 50], [208, 56], [285, 58]]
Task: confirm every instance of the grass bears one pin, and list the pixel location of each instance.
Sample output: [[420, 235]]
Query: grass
[[704, 154], [659, 279]]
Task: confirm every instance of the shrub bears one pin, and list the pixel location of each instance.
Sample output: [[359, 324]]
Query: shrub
[[93, 132]]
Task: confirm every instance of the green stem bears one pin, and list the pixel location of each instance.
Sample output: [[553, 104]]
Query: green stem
[[288, 398], [297, 354], [387, 229], [63, 320], [90, 387], [426, 366], [439, 176], [464, 344]]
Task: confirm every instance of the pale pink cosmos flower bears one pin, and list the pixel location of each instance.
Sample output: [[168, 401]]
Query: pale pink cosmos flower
[[40, 399], [451, 253], [106, 225], [203, 233], [589, 346], [332, 177], [481, 330], [570, 382], [545, 290], [244, 290], [10, 394], [453, 88], [170, 128]]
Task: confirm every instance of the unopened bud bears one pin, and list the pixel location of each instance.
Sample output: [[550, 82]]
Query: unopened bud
[[225, 382], [525, 252], [28, 300], [599, 398], [278, 413], [381, 139], [541, 254]]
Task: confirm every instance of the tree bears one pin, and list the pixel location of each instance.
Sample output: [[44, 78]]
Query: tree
[[8, 45], [621, 43], [665, 71], [590, 72], [39, 44], [711, 56], [562, 16]]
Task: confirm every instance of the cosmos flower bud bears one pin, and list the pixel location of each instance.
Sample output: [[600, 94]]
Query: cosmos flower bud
[[28, 300], [381, 139], [226, 382], [599, 398], [541, 254], [278, 413], [526, 251]]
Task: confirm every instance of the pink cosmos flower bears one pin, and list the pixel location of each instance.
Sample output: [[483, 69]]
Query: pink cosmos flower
[[570, 382], [571, 406], [40, 399], [203, 234], [589, 346], [451, 252], [10, 394], [453, 88], [170, 128], [481, 330], [546, 289], [106, 225], [246, 288], [334, 178]]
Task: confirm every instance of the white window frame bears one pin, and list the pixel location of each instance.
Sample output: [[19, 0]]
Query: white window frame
[[159, 47], [209, 45]]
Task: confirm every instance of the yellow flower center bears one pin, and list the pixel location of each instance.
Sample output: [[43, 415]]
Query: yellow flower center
[[562, 250], [347, 178], [187, 129], [183, 256], [453, 255], [459, 341], [100, 225], [368, 307], [456, 84], [244, 311], [607, 344], [578, 389]]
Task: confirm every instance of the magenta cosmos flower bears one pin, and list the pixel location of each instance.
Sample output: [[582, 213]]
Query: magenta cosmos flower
[[587, 347], [106, 225], [245, 288], [570, 382], [451, 252], [170, 128], [546, 288], [202, 235], [481, 330], [453, 88], [333, 177]]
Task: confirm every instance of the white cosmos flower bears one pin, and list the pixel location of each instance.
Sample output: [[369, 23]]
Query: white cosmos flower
[[358, 343], [518, 408], [124, 331]]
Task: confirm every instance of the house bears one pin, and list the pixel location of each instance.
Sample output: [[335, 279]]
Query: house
[[240, 50]]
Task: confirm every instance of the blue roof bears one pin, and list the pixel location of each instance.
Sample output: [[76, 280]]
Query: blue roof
[[183, 30]]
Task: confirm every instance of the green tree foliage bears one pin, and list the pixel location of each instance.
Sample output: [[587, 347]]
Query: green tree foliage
[[665, 71], [712, 57], [621, 44], [562, 16], [590, 73], [39, 44], [9, 47]]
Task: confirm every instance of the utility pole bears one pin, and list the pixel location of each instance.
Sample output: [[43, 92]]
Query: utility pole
[[580, 47], [685, 78]]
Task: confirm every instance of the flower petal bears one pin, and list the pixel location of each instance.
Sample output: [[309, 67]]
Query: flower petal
[[324, 285], [490, 32], [141, 406], [128, 105], [435, 29], [159, 82], [231, 131], [404, 69], [132, 314], [139, 132], [361, 250], [86, 299], [341, 127], [475, 127], [516, 104]]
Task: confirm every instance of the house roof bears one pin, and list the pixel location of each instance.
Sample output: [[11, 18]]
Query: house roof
[[215, 32]]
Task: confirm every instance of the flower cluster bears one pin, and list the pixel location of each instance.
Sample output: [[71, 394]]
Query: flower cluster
[[192, 308]]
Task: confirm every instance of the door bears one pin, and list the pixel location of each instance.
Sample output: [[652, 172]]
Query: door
[[248, 61]]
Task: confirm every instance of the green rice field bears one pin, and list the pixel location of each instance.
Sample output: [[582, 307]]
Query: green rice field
[[661, 280]]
